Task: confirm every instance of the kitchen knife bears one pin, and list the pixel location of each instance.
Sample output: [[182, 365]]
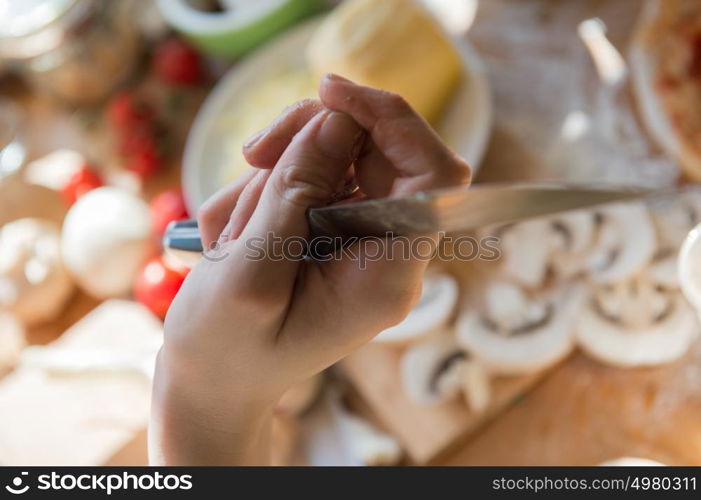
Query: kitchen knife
[[448, 210]]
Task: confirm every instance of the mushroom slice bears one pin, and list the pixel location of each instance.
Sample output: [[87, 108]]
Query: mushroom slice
[[367, 444], [673, 219], [531, 248], [636, 323], [691, 200], [436, 305], [515, 333], [34, 285], [525, 251], [689, 268], [626, 242], [432, 371], [476, 386], [662, 271], [576, 232]]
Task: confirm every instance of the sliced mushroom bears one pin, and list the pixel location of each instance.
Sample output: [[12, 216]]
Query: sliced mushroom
[[431, 371], [517, 333], [12, 341], [436, 306], [625, 243], [533, 248], [436, 370], [675, 216], [636, 323], [576, 229], [525, 251], [367, 444], [673, 219], [300, 397], [476, 386], [662, 271], [34, 285], [691, 199], [576, 232], [689, 268]]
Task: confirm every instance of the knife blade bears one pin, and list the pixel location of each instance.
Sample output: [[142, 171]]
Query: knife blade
[[448, 210]]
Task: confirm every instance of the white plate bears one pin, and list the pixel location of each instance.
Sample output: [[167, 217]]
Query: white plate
[[465, 126]]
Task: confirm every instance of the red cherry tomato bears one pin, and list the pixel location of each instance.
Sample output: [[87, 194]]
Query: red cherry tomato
[[125, 111], [167, 207], [135, 140], [177, 63], [157, 284], [146, 161], [83, 180]]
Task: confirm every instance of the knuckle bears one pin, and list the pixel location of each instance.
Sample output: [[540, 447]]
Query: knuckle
[[301, 106], [206, 213], [245, 298], [454, 171], [401, 303], [256, 302], [460, 171], [307, 103], [303, 186], [396, 105]]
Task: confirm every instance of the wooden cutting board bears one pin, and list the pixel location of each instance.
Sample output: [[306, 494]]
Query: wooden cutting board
[[585, 412], [49, 419], [426, 433]]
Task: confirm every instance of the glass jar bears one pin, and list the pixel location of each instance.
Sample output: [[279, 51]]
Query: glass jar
[[76, 50], [13, 151]]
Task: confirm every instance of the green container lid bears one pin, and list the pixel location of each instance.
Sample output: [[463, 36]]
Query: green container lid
[[243, 26]]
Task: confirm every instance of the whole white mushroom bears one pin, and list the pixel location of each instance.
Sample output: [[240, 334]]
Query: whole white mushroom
[[106, 238]]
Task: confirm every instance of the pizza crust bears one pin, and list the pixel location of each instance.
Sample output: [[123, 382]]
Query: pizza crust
[[657, 21]]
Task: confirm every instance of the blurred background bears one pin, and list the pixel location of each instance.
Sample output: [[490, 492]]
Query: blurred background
[[577, 347]]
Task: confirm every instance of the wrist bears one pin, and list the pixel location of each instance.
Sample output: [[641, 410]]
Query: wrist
[[196, 420]]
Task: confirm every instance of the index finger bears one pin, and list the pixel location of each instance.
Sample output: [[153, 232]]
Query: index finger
[[399, 132]]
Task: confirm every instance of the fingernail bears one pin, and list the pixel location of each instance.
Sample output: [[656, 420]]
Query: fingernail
[[340, 136], [251, 141], [337, 78], [225, 233]]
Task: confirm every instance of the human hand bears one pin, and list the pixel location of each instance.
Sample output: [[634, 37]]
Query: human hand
[[241, 331]]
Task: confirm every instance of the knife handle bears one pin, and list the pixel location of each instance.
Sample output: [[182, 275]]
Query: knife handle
[[182, 241]]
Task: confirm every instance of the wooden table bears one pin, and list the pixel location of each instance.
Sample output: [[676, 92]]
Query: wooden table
[[583, 412]]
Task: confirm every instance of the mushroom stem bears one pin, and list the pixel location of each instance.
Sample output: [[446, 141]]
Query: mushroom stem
[[366, 443], [476, 386]]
